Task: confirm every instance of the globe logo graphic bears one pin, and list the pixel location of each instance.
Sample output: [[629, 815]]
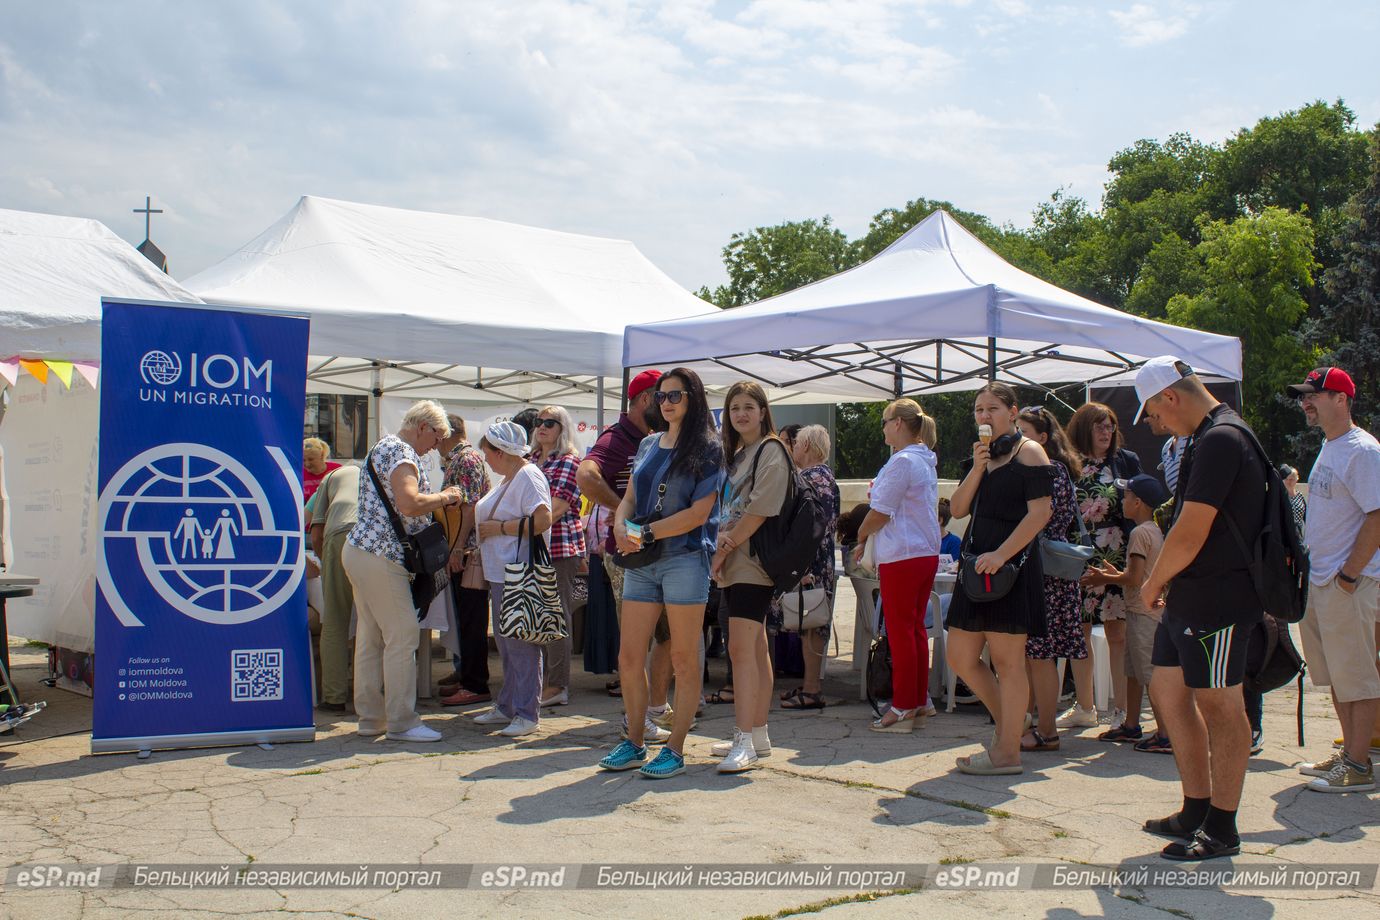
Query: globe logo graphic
[[161, 368], [194, 525]]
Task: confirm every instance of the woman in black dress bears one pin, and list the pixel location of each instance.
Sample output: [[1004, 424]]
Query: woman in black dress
[[1007, 492]]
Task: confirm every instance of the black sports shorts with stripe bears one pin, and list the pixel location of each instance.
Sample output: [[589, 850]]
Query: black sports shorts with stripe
[[1211, 655]]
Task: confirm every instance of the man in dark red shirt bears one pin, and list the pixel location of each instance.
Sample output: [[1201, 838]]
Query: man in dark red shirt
[[603, 478]]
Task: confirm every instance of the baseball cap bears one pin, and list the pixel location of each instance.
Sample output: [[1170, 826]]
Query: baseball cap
[[1155, 376], [1145, 487], [1329, 379], [643, 381]]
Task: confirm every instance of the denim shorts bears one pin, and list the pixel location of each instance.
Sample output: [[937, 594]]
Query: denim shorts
[[680, 578]]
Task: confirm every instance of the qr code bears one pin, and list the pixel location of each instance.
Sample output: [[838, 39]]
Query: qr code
[[256, 674]]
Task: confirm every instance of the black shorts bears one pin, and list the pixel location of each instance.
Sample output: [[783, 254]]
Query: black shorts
[[747, 602], [1210, 656]]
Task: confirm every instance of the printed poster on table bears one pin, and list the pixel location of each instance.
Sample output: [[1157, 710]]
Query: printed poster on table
[[201, 617]]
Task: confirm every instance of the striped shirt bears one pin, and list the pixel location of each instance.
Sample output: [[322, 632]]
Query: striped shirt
[[1171, 455]]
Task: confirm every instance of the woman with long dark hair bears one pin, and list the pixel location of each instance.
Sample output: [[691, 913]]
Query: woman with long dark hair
[[1095, 433], [759, 471], [1007, 492], [1063, 636], [670, 503]]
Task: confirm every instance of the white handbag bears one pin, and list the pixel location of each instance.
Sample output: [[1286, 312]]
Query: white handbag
[[805, 608], [868, 562]]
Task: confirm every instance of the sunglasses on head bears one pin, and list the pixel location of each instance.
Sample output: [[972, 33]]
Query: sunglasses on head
[[670, 396], [547, 423], [1032, 410]]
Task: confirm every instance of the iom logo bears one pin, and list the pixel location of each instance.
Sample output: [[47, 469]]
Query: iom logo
[[217, 380], [161, 368], [190, 524]]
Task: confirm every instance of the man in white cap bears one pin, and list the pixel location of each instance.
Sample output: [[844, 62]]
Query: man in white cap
[[1211, 608]]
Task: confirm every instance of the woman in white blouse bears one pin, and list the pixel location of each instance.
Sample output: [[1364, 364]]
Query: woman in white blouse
[[905, 525]]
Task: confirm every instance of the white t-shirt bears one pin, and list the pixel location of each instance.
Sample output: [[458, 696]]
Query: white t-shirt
[[522, 495], [907, 489], [1342, 489]]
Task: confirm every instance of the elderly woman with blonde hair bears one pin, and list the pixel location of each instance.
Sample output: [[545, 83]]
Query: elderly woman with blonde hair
[[553, 450], [810, 451], [386, 630], [316, 465]]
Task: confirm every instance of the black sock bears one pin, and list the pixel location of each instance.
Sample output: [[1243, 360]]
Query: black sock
[[1220, 824], [1194, 811]]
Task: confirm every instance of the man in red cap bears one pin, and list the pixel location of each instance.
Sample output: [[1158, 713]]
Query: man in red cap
[[603, 478], [1343, 536]]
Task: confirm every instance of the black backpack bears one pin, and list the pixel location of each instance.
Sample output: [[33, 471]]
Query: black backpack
[[1278, 562], [788, 542], [1272, 660]]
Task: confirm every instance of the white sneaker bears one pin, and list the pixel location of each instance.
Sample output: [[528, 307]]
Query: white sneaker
[[557, 699], [1078, 717], [651, 732], [417, 733], [492, 716], [1116, 717], [761, 743], [518, 727], [742, 756]]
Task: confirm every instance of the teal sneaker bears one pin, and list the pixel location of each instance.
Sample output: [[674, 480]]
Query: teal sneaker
[[624, 757], [667, 764]]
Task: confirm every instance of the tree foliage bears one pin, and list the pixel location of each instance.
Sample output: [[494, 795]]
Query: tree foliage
[[1349, 327]]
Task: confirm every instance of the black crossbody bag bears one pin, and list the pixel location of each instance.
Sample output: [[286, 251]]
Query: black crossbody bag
[[424, 552], [979, 587]]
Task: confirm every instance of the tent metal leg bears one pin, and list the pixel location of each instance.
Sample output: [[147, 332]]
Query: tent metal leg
[[599, 404]]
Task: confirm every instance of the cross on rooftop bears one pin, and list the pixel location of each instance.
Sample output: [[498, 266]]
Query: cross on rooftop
[[147, 211]]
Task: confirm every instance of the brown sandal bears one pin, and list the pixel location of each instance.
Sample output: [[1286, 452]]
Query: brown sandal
[[803, 699], [1041, 742]]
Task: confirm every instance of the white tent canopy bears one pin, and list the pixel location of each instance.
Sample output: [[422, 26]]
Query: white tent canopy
[[55, 272], [422, 304], [935, 311]]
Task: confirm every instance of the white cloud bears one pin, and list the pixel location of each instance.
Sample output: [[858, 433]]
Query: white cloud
[[1143, 25]]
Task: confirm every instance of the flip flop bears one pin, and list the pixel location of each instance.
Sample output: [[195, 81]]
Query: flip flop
[[981, 765]]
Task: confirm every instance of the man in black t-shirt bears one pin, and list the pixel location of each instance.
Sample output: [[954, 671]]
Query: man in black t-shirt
[[1210, 608]]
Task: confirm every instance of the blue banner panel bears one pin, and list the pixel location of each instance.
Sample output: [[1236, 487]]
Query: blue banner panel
[[201, 607]]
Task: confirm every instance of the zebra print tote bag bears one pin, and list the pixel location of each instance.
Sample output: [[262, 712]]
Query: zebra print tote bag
[[531, 604]]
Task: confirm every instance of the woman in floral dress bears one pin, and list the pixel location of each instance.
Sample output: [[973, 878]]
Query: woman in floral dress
[[1094, 433], [1063, 636]]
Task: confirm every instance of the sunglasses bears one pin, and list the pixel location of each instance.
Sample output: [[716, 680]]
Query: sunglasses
[[671, 396], [547, 423], [1032, 410]]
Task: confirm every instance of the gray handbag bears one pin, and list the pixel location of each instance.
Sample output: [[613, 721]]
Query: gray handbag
[[1061, 559]]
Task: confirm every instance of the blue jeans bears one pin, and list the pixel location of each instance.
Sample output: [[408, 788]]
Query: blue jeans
[[522, 667], [680, 578]]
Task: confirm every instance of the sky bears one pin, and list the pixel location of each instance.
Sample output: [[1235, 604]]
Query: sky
[[672, 124]]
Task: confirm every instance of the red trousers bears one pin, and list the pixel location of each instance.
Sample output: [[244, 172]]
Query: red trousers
[[906, 587]]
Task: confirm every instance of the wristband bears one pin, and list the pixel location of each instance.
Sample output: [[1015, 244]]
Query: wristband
[[1345, 578]]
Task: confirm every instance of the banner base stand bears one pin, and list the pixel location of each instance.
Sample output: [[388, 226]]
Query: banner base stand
[[260, 737]]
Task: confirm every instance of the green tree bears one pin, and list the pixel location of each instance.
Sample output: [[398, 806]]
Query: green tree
[[1255, 270], [1156, 189], [1310, 159], [1349, 327], [772, 260], [890, 224], [1171, 267]]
